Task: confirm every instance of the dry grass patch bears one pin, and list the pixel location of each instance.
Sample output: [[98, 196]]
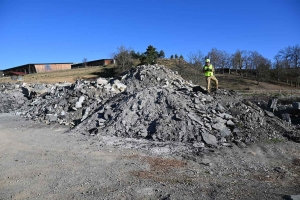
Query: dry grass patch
[[226, 81], [70, 75]]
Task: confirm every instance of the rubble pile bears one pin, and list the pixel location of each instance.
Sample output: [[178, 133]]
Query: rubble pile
[[287, 112], [150, 102], [67, 104], [11, 97], [159, 105]]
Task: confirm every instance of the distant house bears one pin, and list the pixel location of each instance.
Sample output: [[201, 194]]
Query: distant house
[[39, 68], [101, 62]]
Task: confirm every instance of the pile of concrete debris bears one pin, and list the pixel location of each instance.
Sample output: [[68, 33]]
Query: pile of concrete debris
[[160, 105], [66, 103], [151, 102], [11, 97]]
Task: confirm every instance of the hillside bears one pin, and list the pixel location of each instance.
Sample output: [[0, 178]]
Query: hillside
[[226, 81]]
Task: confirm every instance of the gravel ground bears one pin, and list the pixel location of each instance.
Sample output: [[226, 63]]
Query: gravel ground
[[41, 161]]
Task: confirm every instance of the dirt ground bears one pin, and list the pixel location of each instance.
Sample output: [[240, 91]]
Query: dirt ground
[[39, 161]]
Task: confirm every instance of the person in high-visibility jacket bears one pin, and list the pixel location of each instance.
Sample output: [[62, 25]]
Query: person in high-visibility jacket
[[209, 71]]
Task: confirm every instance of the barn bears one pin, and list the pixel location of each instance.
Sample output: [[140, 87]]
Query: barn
[[39, 68], [93, 63]]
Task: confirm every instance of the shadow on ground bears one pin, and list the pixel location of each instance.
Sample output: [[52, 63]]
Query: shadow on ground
[[105, 73]]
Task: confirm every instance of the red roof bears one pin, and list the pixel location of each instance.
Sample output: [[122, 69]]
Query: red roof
[[16, 73]]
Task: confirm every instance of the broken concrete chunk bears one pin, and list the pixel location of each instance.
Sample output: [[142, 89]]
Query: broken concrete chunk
[[220, 108], [195, 117], [219, 120], [225, 132], [209, 139], [225, 116], [81, 99], [119, 86], [108, 113], [143, 133], [196, 101], [206, 162], [199, 145], [207, 125], [78, 105], [270, 114], [286, 117], [295, 197], [230, 123], [86, 113], [272, 104], [219, 126]]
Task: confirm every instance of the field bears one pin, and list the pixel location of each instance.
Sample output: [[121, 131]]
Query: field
[[66, 75], [226, 81]]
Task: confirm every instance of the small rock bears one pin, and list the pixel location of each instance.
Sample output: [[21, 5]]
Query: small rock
[[199, 145], [209, 139]]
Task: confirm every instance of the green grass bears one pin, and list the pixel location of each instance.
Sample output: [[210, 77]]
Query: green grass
[[274, 140]]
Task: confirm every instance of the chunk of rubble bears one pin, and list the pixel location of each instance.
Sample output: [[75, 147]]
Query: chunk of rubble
[[209, 139]]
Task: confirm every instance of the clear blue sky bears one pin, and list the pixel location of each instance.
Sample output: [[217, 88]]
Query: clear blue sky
[[45, 31]]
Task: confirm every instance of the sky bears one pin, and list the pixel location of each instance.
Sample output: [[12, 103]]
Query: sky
[[59, 31]]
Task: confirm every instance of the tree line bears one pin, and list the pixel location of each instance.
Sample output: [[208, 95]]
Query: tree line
[[284, 68]]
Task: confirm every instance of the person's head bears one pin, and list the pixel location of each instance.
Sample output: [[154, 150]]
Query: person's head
[[207, 61]]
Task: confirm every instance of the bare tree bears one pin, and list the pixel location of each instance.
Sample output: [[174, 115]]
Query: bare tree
[[260, 65], [195, 65], [219, 59], [181, 65], [84, 61], [294, 59], [214, 56], [196, 59], [123, 59], [289, 59], [249, 71], [279, 74], [238, 61]]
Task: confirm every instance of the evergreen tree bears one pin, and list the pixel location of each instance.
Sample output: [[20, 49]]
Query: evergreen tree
[[133, 54], [176, 56], [171, 57], [150, 56], [181, 57], [138, 55], [161, 54]]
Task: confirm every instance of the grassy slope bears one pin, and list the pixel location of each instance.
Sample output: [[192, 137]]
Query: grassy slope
[[66, 75], [230, 82]]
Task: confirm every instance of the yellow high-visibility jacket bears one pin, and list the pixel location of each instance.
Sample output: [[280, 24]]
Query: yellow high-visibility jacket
[[208, 70]]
